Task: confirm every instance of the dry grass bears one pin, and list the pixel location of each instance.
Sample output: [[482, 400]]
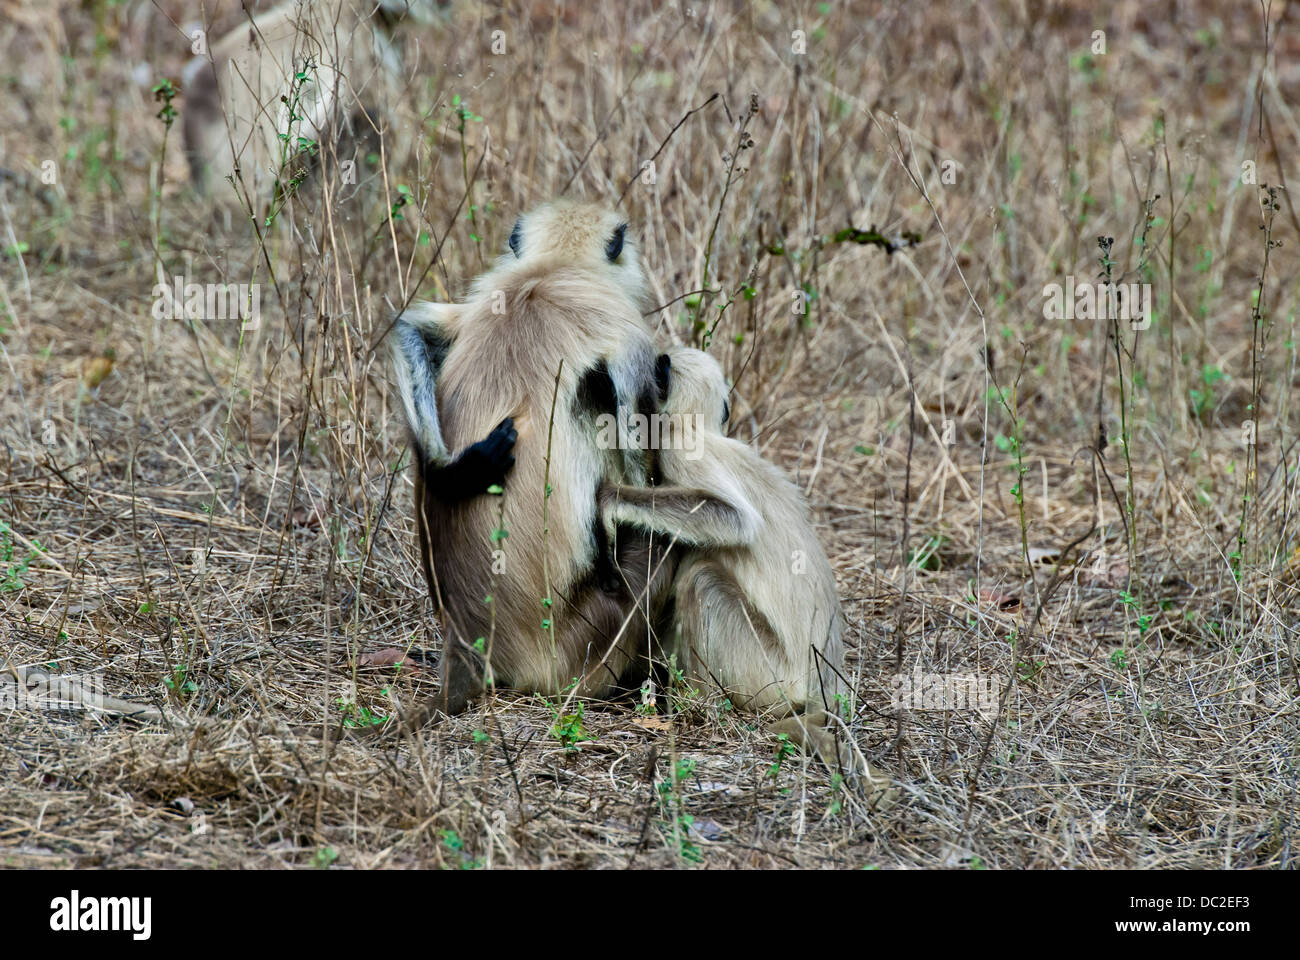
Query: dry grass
[[224, 530]]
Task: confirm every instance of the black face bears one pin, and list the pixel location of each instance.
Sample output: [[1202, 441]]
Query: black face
[[615, 245], [517, 237]]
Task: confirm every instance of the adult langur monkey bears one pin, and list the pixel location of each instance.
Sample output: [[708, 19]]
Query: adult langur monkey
[[548, 341], [756, 608]]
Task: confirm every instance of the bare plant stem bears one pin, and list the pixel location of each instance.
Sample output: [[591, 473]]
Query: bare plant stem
[[548, 602]]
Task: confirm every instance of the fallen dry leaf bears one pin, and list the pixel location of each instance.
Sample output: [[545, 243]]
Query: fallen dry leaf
[[653, 723], [1044, 556], [95, 369], [302, 517], [1003, 601], [1104, 573], [706, 830], [388, 657]]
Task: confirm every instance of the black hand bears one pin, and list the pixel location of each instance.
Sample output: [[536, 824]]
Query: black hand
[[480, 466]]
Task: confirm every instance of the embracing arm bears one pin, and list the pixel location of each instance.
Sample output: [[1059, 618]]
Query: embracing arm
[[694, 515], [419, 342]]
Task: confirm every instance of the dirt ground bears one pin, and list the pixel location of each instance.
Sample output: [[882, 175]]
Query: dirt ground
[[1090, 520]]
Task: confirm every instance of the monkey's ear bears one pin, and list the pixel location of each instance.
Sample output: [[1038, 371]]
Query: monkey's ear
[[517, 236], [615, 245]]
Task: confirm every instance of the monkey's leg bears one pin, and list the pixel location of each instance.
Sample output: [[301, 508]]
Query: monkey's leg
[[461, 672], [615, 630], [201, 122], [813, 732], [725, 637], [606, 572], [462, 677], [461, 666]]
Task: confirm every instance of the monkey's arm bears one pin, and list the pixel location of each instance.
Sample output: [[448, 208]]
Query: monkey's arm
[[694, 515], [420, 340], [478, 467]]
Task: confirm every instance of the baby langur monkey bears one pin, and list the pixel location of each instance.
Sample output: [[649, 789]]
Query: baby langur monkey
[[756, 607]]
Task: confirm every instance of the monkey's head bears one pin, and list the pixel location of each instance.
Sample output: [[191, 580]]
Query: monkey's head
[[696, 385], [579, 234]]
